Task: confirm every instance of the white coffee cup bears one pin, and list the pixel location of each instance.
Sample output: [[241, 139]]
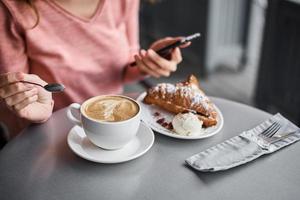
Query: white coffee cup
[[105, 134]]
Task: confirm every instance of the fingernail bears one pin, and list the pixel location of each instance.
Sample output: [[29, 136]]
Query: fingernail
[[143, 52], [150, 51]]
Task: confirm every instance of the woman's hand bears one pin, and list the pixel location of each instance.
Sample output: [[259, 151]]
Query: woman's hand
[[149, 62], [27, 101]]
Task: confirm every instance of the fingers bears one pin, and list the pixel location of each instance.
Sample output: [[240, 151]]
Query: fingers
[[155, 65], [166, 65], [153, 68], [185, 45], [14, 88], [161, 67], [145, 68], [20, 108], [18, 98], [176, 55], [164, 42], [167, 41], [25, 102], [33, 78], [11, 77]]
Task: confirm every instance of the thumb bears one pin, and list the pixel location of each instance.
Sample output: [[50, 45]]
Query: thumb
[[34, 79], [185, 45], [176, 55]]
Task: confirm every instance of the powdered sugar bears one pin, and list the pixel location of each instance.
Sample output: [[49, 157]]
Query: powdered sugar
[[169, 88], [185, 91]]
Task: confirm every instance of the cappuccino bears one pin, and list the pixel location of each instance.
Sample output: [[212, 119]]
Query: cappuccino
[[111, 109]]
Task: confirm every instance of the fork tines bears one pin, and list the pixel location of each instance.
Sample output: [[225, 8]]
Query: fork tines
[[271, 130]]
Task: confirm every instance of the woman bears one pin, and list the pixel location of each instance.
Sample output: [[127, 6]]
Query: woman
[[86, 45]]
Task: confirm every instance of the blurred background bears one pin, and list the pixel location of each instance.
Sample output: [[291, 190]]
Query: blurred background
[[249, 50]]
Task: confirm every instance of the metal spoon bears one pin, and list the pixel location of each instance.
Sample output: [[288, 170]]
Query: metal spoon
[[51, 87]]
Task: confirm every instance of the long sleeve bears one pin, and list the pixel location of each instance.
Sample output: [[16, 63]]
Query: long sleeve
[[12, 45], [12, 58], [132, 26]]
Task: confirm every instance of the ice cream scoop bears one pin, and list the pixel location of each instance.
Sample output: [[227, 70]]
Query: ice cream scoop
[[187, 124]]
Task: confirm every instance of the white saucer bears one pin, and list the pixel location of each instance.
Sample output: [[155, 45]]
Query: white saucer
[[81, 145]]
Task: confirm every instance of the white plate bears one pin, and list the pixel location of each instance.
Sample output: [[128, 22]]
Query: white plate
[[81, 145], [149, 118]]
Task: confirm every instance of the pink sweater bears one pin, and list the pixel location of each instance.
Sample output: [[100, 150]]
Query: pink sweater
[[87, 56]]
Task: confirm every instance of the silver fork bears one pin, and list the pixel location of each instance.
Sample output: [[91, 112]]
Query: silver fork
[[271, 130], [268, 133]]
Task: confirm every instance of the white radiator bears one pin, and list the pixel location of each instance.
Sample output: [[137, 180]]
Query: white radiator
[[225, 29]]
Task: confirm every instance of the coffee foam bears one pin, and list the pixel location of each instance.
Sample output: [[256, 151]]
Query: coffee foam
[[111, 109]]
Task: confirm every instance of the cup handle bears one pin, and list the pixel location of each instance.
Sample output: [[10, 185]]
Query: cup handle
[[71, 108]]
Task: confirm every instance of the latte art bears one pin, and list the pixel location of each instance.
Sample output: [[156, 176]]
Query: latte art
[[111, 109]]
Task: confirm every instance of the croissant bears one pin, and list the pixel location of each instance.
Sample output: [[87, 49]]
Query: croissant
[[182, 97]]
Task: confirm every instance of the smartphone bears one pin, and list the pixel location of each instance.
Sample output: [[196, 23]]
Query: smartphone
[[164, 52]]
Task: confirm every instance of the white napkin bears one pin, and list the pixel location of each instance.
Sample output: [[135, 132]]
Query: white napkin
[[243, 148]]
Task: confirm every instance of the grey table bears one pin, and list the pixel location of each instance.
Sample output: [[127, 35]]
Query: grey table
[[38, 164]]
